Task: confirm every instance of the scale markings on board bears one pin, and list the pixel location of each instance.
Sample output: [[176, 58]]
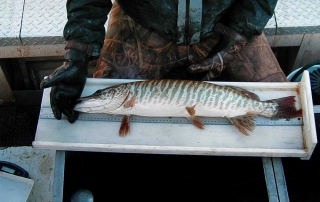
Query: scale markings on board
[[46, 113]]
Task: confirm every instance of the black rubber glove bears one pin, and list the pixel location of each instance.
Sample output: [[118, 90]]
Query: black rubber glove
[[230, 43], [67, 83]]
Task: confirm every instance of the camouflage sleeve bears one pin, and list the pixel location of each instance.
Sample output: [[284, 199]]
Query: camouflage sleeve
[[86, 19], [250, 17]]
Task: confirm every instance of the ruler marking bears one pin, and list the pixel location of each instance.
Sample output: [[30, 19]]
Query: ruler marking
[[46, 113]]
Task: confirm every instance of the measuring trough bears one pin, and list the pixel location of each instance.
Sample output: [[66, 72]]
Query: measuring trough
[[271, 138]]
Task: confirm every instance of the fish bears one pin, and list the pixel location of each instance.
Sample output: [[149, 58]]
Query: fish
[[186, 98]]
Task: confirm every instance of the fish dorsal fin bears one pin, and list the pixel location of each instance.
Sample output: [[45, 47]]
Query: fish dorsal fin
[[244, 123], [246, 92]]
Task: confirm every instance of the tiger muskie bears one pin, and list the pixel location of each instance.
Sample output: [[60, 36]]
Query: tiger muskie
[[184, 98]]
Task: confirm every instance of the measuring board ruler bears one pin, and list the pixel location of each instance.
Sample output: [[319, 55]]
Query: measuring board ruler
[[46, 113]]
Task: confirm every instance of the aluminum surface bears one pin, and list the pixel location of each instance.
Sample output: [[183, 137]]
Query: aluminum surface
[[10, 22], [294, 17], [41, 22], [275, 180]]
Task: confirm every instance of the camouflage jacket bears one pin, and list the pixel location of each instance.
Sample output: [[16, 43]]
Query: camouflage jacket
[[86, 18]]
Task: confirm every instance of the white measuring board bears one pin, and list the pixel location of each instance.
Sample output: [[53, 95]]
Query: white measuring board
[[271, 138]]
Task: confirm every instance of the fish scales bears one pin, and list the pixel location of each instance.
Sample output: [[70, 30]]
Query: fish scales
[[174, 93], [179, 93], [170, 94], [227, 99], [190, 99], [157, 91], [233, 100]]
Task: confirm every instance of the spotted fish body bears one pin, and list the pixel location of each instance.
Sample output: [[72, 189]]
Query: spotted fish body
[[183, 98]]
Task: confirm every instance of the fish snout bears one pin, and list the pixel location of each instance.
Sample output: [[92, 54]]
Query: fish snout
[[88, 102], [86, 98]]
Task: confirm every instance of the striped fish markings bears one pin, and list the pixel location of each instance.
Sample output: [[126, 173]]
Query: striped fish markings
[[184, 98]]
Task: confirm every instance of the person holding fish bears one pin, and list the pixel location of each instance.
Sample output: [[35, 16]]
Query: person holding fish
[[177, 39]]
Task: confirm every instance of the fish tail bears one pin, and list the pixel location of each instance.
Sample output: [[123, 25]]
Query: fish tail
[[287, 108]]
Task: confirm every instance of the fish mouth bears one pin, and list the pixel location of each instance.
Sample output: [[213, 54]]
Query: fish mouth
[[86, 98], [80, 101], [89, 104]]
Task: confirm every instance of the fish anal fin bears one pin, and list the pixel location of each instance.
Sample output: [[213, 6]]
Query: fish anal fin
[[191, 110], [130, 103], [246, 92], [244, 123], [125, 126], [196, 121]]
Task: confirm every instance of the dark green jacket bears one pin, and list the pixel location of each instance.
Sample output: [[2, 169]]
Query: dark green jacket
[[86, 18]]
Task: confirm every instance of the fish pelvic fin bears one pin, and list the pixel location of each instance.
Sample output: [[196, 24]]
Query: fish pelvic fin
[[191, 110], [125, 126], [244, 123], [196, 121], [286, 107]]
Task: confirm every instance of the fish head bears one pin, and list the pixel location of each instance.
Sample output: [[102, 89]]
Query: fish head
[[103, 100]]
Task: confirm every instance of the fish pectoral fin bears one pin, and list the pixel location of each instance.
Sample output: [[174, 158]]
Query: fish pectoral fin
[[196, 121], [244, 123], [125, 126], [130, 103], [191, 110]]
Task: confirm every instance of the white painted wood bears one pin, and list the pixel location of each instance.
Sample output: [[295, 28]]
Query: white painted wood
[[309, 128], [224, 140]]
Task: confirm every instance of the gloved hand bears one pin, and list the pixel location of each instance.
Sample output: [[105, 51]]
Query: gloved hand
[[230, 43], [68, 81]]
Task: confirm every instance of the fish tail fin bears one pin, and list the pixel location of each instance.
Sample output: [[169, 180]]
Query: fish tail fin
[[287, 108]]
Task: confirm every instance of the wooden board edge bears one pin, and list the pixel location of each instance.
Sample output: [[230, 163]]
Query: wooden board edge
[[309, 128], [178, 150]]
